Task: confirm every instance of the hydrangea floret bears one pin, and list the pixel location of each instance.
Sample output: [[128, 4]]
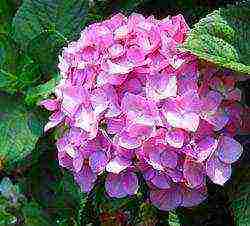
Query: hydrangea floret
[[133, 104]]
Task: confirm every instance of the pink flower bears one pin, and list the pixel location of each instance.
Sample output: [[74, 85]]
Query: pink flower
[[130, 103]]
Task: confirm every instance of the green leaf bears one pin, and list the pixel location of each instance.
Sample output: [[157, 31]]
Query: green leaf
[[173, 219], [19, 130], [34, 216], [6, 218], [65, 18], [7, 9], [7, 64], [17, 71], [239, 193], [223, 38], [129, 5], [40, 92]]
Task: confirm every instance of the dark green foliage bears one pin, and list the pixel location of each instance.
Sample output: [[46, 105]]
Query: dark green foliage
[[62, 17], [239, 193], [19, 130]]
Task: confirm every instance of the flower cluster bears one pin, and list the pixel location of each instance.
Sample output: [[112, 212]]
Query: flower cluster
[[135, 104]]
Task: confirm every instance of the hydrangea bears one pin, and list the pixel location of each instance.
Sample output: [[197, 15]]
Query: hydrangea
[[133, 103]]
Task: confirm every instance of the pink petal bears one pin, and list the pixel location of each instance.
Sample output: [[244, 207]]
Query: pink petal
[[229, 150], [115, 125], [87, 121], [175, 138], [162, 181], [193, 197], [130, 183], [78, 162], [188, 121], [117, 165], [169, 158], [166, 200], [205, 148], [49, 104], [135, 54], [98, 161], [218, 171], [86, 179], [55, 119], [193, 172], [212, 102], [116, 50], [161, 86], [218, 120], [73, 97]]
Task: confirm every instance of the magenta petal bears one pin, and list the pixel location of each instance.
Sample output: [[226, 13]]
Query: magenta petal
[[64, 160], [193, 197], [169, 158], [229, 150], [193, 172], [161, 86], [219, 172], [49, 104], [218, 120], [55, 119], [175, 138], [130, 183], [86, 179], [117, 165], [166, 200], [149, 174], [98, 161], [205, 148], [78, 162], [212, 101], [115, 125], [114, 186], [162, 181]]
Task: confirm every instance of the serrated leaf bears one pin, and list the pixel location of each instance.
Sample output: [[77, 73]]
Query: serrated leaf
[[40, 92], [223, 38], [64, 17], [19, 130]]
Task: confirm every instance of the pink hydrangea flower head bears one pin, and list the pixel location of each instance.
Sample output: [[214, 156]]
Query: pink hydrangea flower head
[[132, 104]]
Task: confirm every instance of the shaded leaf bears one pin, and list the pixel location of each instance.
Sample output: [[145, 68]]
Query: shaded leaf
[[7, 9], [223, 38], [40, 92], [63, 17], [19, 130], [239, 193], [34, 216]]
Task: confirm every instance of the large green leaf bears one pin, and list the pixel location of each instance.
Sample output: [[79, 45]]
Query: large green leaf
[[223, 38], [19, 130], [63, 17]]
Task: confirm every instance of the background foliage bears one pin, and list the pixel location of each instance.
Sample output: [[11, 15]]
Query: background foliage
[[33, 189]]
